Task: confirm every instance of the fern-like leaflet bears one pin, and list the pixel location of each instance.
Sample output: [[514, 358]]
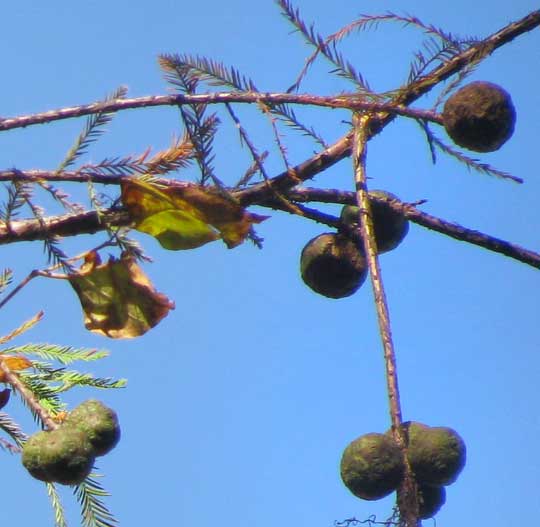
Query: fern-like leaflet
[[59, 516], [215, 73], [323, 46], [200, 128], [93, 129], [93, 511], [471, 163]]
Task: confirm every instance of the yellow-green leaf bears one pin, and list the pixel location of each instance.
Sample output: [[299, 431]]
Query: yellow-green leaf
[[186, 216], [117, 298], [175, 230]]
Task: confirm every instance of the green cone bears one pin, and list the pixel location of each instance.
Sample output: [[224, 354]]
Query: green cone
[[437, 454], [372, 466], [98, 422], [63, 456]]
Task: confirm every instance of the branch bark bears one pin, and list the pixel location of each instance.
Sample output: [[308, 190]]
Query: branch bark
[[13, 379], [411, 212], [89, 223], [407, 492], [348, 101]]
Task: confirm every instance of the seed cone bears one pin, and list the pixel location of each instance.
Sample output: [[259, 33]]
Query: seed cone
[[372, 466], [430, 500], [480, 116], [390, 227], [98, 422], [63, 456], [332, 265], [437, 454]]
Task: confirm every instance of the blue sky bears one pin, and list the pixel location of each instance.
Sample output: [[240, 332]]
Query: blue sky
[[240, 403]]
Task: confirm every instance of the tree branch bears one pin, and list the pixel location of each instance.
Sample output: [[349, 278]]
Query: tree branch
[[88, 222], [262, 193], [434, 223], [13, 379], [385, 112], [353, 102], [407, 493], [348, 101], [342, 148], [77, 176]]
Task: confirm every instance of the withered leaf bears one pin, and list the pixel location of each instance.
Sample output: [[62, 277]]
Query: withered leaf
[[186, 216], [14, 364], [117, 298]]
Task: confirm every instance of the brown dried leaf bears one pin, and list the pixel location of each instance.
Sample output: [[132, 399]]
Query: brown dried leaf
[[117, 298]]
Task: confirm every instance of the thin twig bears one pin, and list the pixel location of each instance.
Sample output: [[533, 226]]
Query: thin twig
[[407, 494], [12, 379], [370, 249], [46, 273], [349, 101], [415, 90], [83, 175], [429, 221], [244, 137], [258, 165], [19, 286]]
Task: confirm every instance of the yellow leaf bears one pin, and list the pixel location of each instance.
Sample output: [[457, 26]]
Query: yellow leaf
[[117, 298], [14, 364], [186, 216], [177, 230]]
